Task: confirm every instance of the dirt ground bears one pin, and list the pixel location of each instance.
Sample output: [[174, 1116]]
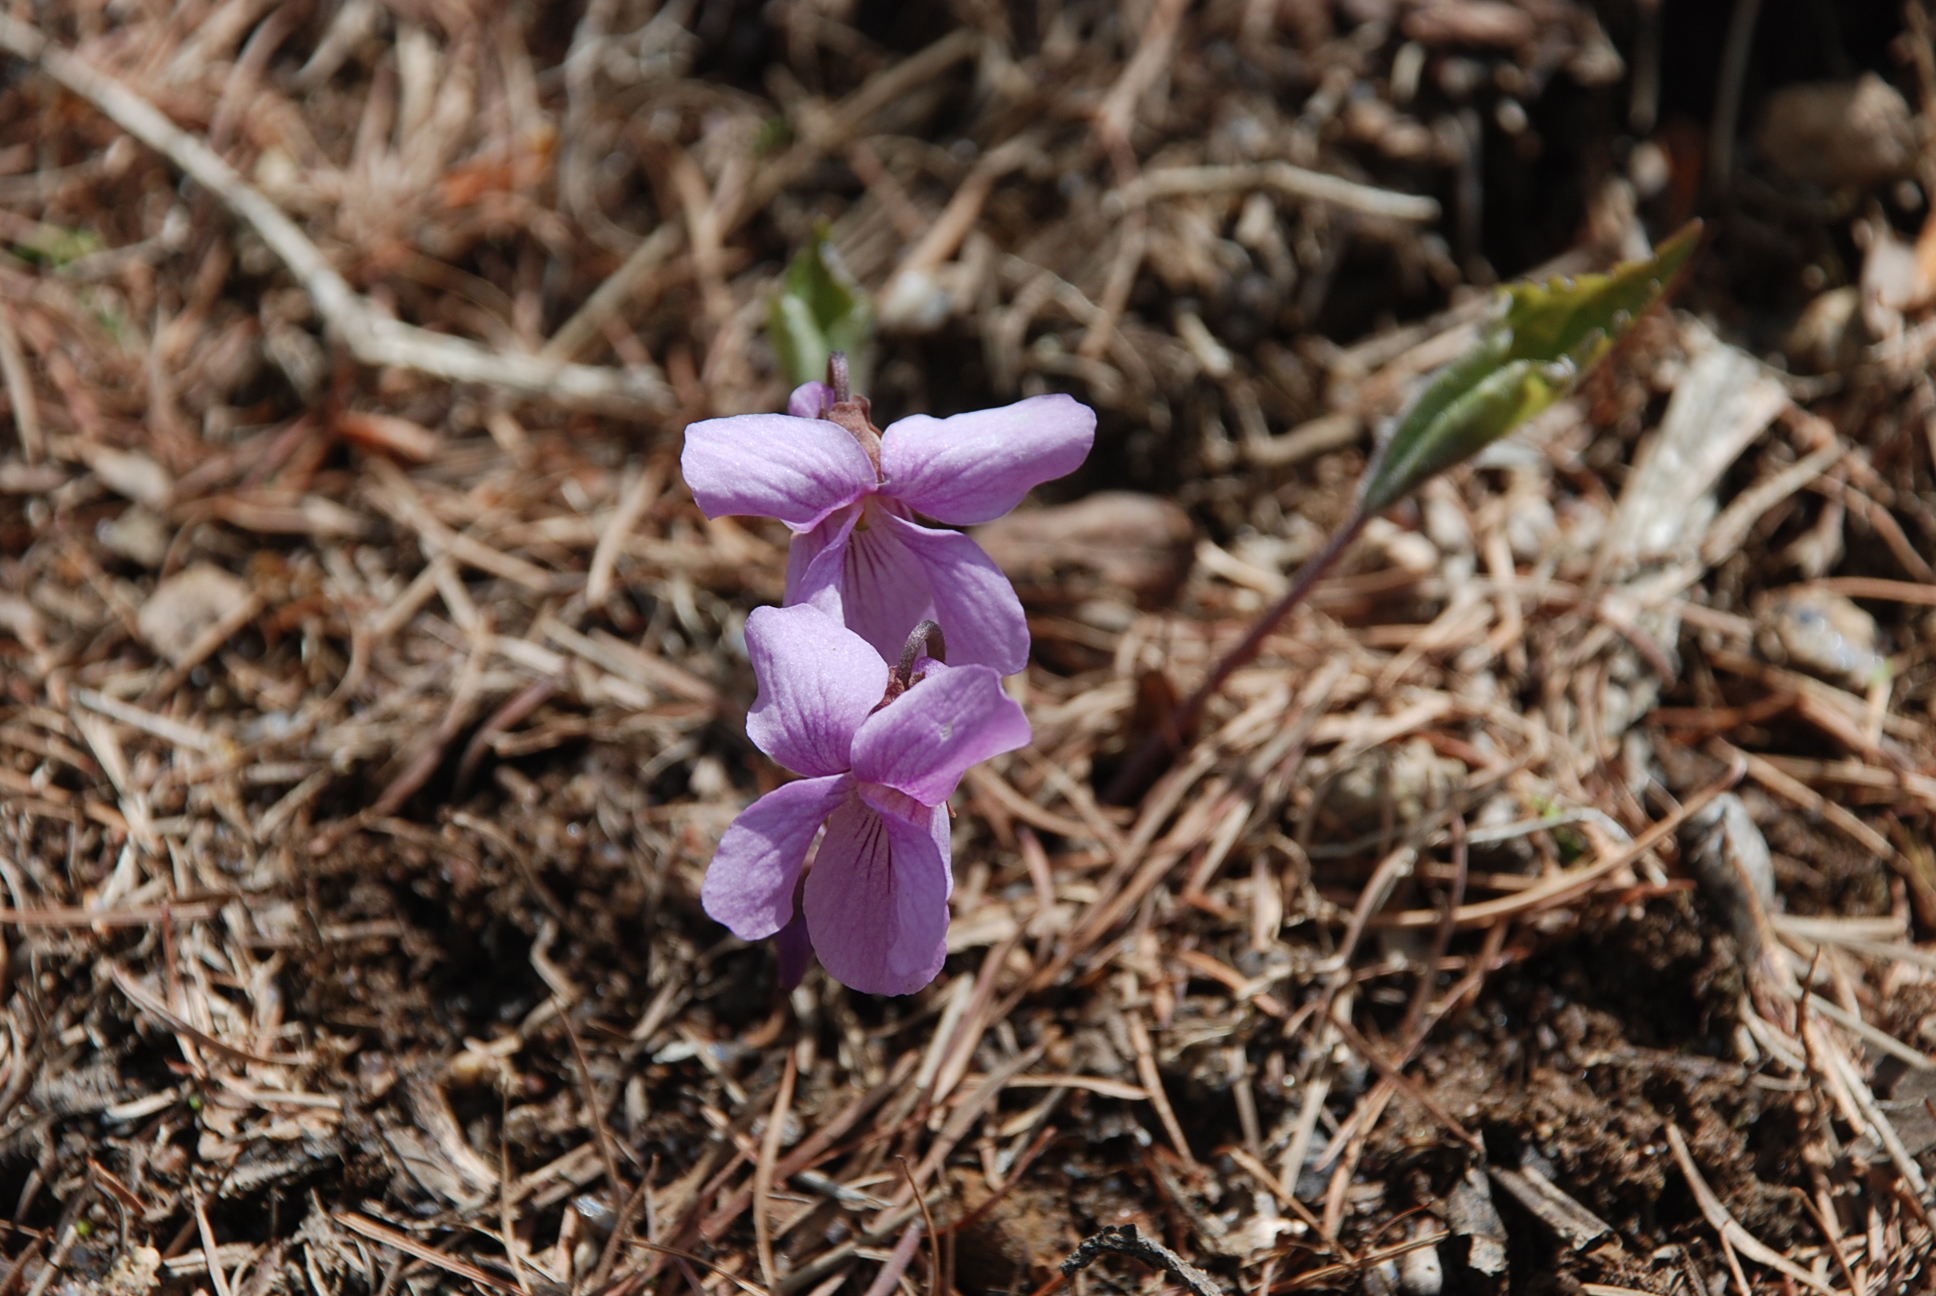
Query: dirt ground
[[1543, 911]]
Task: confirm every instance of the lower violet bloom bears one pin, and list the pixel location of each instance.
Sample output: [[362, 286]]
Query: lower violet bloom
[[850, 493], [880, 751]]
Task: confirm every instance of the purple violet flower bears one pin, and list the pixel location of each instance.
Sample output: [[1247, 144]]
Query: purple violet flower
[[880, 752], [850, 493]]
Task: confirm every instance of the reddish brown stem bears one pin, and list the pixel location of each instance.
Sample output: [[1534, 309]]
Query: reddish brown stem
[[1169, 741]]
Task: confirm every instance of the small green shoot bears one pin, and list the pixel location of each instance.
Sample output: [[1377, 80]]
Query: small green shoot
[[821, 310], [53, 246], [775, 133]]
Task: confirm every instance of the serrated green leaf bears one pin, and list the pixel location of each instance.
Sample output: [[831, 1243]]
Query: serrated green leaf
[[1544, 340], [820, 310], [1581, 319]]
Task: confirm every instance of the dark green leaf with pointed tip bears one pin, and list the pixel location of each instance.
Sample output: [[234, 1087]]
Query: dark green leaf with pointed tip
[[1532, 354], [820, 310]]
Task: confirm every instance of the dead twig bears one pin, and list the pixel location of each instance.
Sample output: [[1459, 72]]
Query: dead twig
[[373, 338], [1296, 181], [1123, 1239], [401, 1241], [1732, 1234], [776, 1119], [20, 389]]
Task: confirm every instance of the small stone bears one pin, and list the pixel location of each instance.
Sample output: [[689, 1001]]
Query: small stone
[[1729, 857], [23, 621], [1445, 520], [185, 605], [128, 473], [1406, 550], [915, 302], [1822, 338], [1420, 1272], [1820, 631], [1839, 134], [135, 1272], [1898, 277], [139, 534], [1469, 1212]]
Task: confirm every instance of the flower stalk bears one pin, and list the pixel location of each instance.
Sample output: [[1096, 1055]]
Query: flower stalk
[[1544, 339]]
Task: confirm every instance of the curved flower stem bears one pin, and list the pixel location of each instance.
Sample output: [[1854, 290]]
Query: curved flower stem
[[1169, 741], [924, 638]]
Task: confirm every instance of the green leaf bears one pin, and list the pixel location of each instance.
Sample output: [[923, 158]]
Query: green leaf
[[774, 135], [55, 246], [821, 310], [1532, 354]]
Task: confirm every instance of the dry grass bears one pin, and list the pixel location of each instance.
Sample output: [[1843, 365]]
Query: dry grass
[[374, 690]]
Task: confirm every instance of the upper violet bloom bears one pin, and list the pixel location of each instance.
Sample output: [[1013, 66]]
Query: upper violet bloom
[[850, 494], [880, 751]]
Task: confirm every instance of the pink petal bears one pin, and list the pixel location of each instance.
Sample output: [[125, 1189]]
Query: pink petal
[[970, 599], [773, 465], [872, 580], [877, 899], [810, 400], [816, 561], [922, 742], [749, 885], [818, 681], [975, 467]]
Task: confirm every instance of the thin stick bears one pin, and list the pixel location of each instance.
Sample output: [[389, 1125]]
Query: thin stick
[[1296, 181], [896, 1263], [403, 1242], [373, 338], [514, 709], [1730, 1229], [639, 496], [20, 389], [1405, 1084], [763, 1171], [208, 1243], [1832, 1237], [606, 1153], [1569, 883], [1261, 1173], [1324, 1276], [822, 134], [615, 1244], [1152, 1079], [927, 1222], [146, 1002], [506, 1219], [612, 296], [1114, 117]]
